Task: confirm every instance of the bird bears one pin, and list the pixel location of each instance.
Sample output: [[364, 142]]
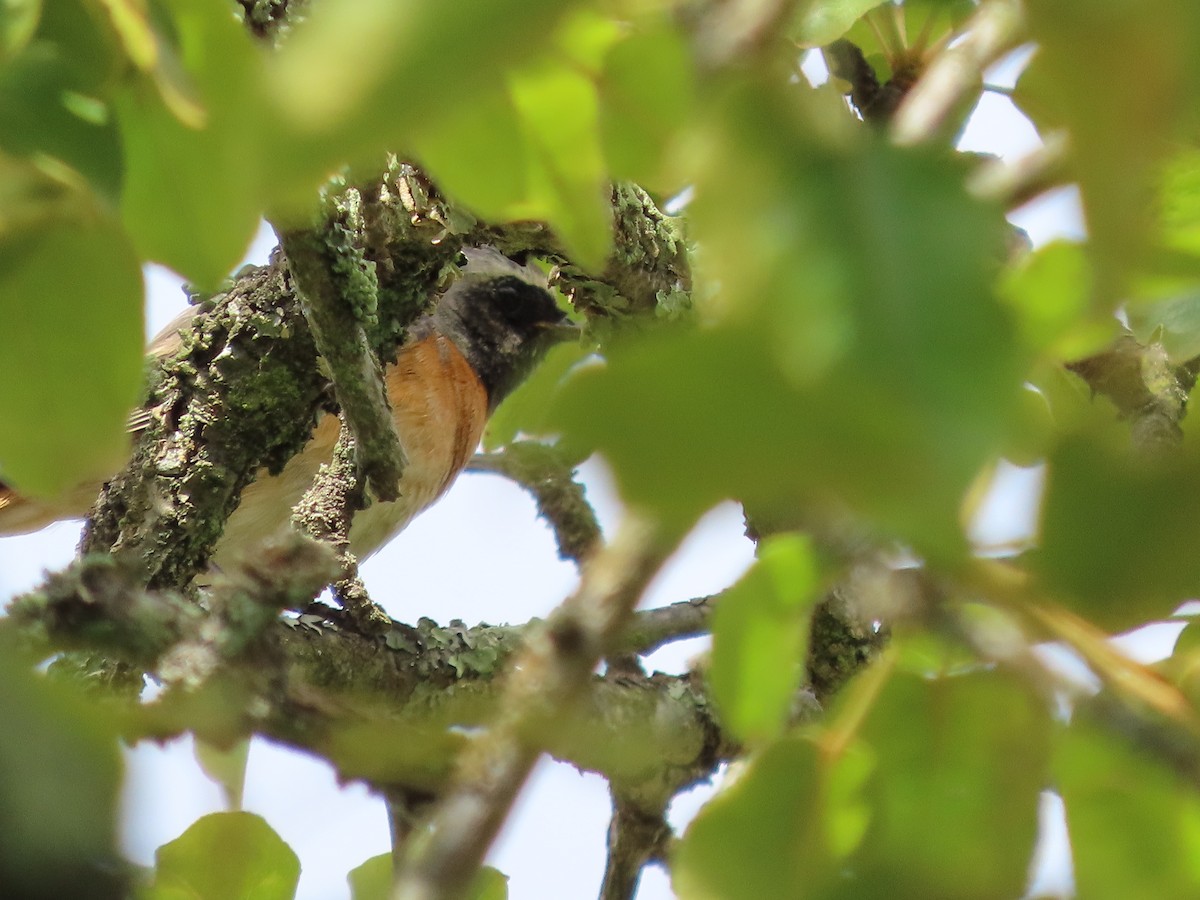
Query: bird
[[458, 362]]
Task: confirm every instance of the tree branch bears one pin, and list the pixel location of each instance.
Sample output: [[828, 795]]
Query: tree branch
[[956, 73], [548, 677], [636, 836], [338, 293], [541, 470]]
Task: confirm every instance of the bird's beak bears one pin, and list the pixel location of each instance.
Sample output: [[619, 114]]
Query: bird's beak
[[562, 332]]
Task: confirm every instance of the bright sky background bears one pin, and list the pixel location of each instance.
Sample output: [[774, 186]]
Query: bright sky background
[[481, 555]]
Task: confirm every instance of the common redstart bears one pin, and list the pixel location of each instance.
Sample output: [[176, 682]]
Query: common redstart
[[459, 361]]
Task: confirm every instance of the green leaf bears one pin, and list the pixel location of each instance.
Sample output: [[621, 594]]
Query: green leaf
[[1120, 133], [762, 835], [476, 153], [225, 766], [568, 185], [373, 879], [1050, 293], [489, 884], [526, 408], [871, 351], [824, 21], [59, 775], [647, 96], [47, 108], [224, 855], [1119, 531], [18, 21], [359, 78], [959, 764], [1134, 824], [69, 290], [194, 195], [760, 639]]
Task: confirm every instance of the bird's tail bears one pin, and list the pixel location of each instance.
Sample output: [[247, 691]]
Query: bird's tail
[[20, 515]]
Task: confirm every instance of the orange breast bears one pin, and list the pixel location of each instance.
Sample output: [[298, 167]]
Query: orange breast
[[439, 407]]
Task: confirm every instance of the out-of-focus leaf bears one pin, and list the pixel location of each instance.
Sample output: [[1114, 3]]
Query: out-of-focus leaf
[[224, 855], [373, 879], [760, 639], [647, 95], [872, 352], [59, 776], [489, 884], [18, 21], [1121, 132], [1119, 530], [1134, 824], [477, 153], [1050, 293], [557, 106], [761, 836], [225, 766], [959, 764], [526, 408], [193, 195], [824, 21], [45, 108], [362, 77], [69, 289]]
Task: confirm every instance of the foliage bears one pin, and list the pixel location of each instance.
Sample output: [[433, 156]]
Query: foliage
[[864, 339]]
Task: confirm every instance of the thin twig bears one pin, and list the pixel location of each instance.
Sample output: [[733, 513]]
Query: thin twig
[[997, 27], [543, 472], [1013, 184], [321, 284], [550, 672]]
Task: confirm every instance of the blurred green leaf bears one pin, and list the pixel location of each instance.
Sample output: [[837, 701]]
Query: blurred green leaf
[[762, 835], [871, 351], [69, 290], [1119, 531], [225, 855], [568, 186], [362, 77], [18, 22], [1122, 132], [1134, 824], [194, 195], [824, 21], [760, 639], [959, 764], [477, 153], [489, 884], [647, 96], [373, 879], [1050, 292], [46, 108], [59, 776], [225, 766], [526, 408]]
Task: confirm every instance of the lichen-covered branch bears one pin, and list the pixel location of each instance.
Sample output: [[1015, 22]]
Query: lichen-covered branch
[[240, 394], [1145, 386], [554, 667], [338, 293], [326, 511], [541, 470]]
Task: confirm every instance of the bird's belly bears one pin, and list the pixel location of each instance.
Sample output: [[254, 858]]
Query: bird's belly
[[439, 408]]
